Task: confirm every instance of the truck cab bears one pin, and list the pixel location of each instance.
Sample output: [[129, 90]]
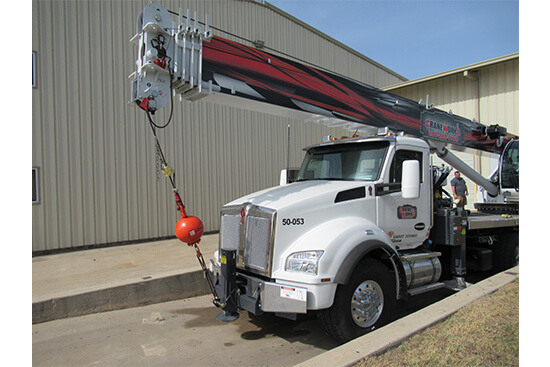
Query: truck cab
[[297, 245]]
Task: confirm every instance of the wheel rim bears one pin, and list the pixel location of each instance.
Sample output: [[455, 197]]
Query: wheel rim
[[367, 303]]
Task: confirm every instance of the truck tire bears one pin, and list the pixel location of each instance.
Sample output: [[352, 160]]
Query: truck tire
[[506, 255], [365, 303]]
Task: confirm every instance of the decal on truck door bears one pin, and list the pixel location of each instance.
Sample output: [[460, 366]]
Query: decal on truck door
[[397, 238], [406, 212]]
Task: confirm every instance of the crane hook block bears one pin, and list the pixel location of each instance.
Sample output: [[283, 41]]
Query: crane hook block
[[189, 230]]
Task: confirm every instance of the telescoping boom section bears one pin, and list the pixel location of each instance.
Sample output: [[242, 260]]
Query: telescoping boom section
[[192, 62]]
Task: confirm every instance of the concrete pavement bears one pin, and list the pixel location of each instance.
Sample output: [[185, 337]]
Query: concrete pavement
[[176, 333], [104, 279]]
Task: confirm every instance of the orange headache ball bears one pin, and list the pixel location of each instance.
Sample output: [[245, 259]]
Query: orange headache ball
[[189, 230]]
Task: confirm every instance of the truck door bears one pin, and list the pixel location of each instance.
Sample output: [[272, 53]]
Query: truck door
[[406, 221]]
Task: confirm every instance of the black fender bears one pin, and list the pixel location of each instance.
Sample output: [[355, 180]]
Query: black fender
[[377, 250]]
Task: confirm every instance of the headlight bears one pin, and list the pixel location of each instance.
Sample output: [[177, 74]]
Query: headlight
[[306, 262]]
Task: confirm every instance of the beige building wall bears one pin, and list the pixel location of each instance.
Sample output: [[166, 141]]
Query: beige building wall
[[487, 92], [94, 152]]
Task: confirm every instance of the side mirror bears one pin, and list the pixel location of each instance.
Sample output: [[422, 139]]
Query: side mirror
[[283, 180], [410, 180]]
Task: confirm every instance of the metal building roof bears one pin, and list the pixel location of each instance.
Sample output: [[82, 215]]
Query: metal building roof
[[459, 70]]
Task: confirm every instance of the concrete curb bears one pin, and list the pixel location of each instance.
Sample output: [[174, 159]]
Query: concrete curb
[[391, 335], [170, 288]]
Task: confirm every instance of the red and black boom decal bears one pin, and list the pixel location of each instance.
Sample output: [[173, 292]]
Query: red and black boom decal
[[251, 73]]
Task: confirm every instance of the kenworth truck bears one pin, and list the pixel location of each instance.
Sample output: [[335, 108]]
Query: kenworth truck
[[365, 222]]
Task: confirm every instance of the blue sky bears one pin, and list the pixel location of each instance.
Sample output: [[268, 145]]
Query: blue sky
[[416, 38]]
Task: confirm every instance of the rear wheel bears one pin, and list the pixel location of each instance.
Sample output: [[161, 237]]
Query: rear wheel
[[365, 303]]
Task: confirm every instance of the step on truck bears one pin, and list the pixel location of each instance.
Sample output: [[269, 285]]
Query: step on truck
[[365, 221]]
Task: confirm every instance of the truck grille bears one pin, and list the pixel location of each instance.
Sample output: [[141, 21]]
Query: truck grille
[[249, 229]]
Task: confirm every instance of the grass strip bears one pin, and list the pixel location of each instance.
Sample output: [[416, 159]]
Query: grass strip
[[484, 333]]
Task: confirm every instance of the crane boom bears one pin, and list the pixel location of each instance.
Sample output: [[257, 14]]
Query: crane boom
[[194, 63], [289, 84]]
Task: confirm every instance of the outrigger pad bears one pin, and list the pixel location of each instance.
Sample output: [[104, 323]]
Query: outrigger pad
[[227, 316]]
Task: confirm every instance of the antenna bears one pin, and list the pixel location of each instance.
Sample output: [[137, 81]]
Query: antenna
[[288, 150]]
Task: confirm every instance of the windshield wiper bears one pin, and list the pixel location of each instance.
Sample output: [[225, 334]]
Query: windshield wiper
[[322, 179]]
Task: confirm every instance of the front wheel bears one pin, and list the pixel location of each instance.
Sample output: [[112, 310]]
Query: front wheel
[[365, 303]]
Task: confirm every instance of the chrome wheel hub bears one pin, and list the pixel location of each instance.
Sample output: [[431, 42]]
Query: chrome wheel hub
[[367, 303]]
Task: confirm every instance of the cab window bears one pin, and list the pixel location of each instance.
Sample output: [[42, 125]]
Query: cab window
[[510, 166], [397, 163]]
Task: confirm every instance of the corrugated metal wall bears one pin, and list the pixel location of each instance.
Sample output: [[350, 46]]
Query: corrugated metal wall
[[95, 153], [491, 96]]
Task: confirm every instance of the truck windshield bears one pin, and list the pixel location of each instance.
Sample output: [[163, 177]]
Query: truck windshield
[[361, 161]]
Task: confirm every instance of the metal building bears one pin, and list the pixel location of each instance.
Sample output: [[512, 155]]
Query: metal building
[[487, 91], [95, 175]]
